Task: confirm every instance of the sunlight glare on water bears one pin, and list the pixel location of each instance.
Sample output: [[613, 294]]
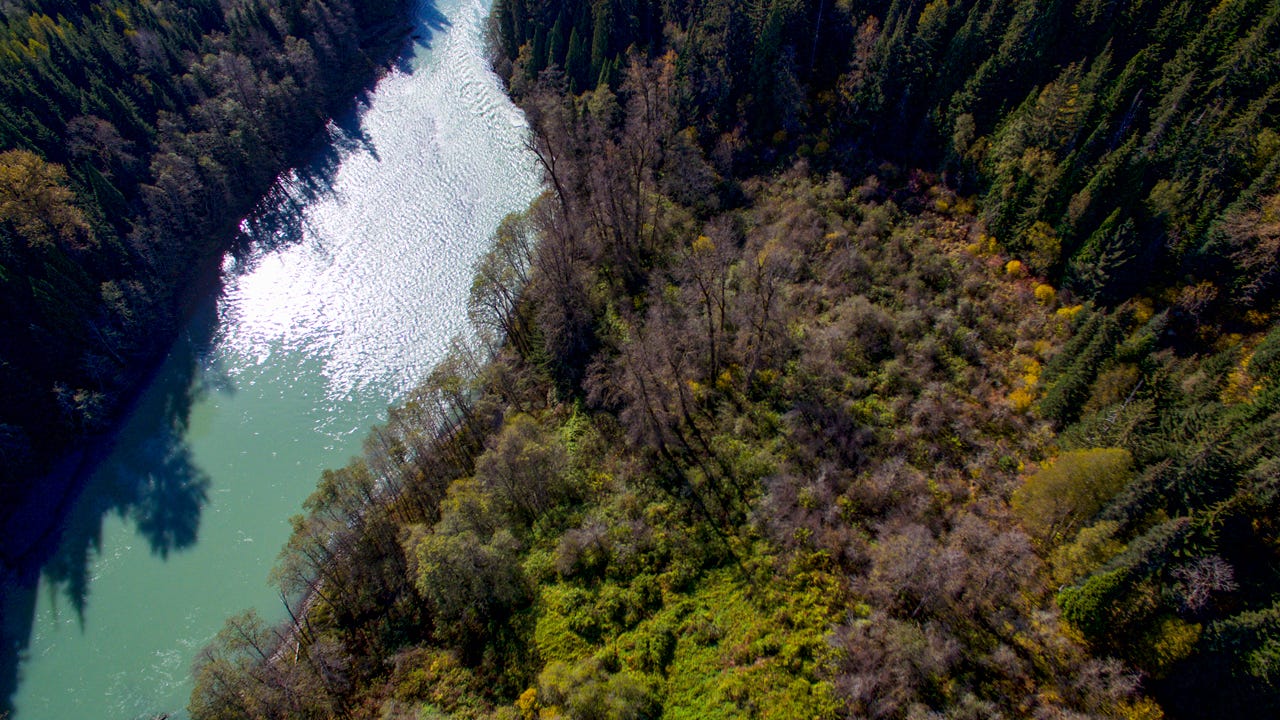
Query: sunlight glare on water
[[376, 287]]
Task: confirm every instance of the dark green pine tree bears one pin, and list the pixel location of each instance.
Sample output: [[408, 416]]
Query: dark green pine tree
[[1069, 379], [557, 44], [577, 64], [601, 27]]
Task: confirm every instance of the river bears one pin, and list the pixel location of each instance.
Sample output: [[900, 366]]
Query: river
[[353, 279]]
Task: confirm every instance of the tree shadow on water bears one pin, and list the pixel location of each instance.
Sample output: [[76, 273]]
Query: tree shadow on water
[[427, 21], [279, 220], [145, 476]]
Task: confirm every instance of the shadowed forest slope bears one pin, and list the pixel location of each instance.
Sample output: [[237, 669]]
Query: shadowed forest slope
[[134, 136]]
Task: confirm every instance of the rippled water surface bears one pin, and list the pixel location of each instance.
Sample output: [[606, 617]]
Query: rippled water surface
[[357, 279]]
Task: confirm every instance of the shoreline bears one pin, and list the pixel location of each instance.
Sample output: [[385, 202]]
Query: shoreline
[[30, 531]]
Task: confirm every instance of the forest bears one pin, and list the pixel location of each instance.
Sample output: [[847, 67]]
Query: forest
[[134, 137], [863, 359]]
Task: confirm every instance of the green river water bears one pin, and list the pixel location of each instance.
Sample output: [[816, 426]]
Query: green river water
[[353, 282]]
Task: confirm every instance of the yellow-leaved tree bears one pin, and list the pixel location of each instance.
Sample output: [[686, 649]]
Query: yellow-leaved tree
[[35, 201], [1060, 498]]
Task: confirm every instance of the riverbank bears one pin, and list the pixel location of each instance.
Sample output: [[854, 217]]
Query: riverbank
[[668, 541], [154, 200], [229, 440], [32, 528], [29, 527]]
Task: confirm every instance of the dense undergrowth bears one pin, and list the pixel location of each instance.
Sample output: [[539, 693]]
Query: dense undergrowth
[[757, 427], [784, 494]]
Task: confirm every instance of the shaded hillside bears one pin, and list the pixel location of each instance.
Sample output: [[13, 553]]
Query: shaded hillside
[[134, 136]]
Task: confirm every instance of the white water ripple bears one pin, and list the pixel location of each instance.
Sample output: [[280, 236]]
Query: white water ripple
[[378, 284]]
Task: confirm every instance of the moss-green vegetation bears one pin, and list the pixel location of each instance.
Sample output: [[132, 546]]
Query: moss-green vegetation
[[780, 491], [1054, 501]]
